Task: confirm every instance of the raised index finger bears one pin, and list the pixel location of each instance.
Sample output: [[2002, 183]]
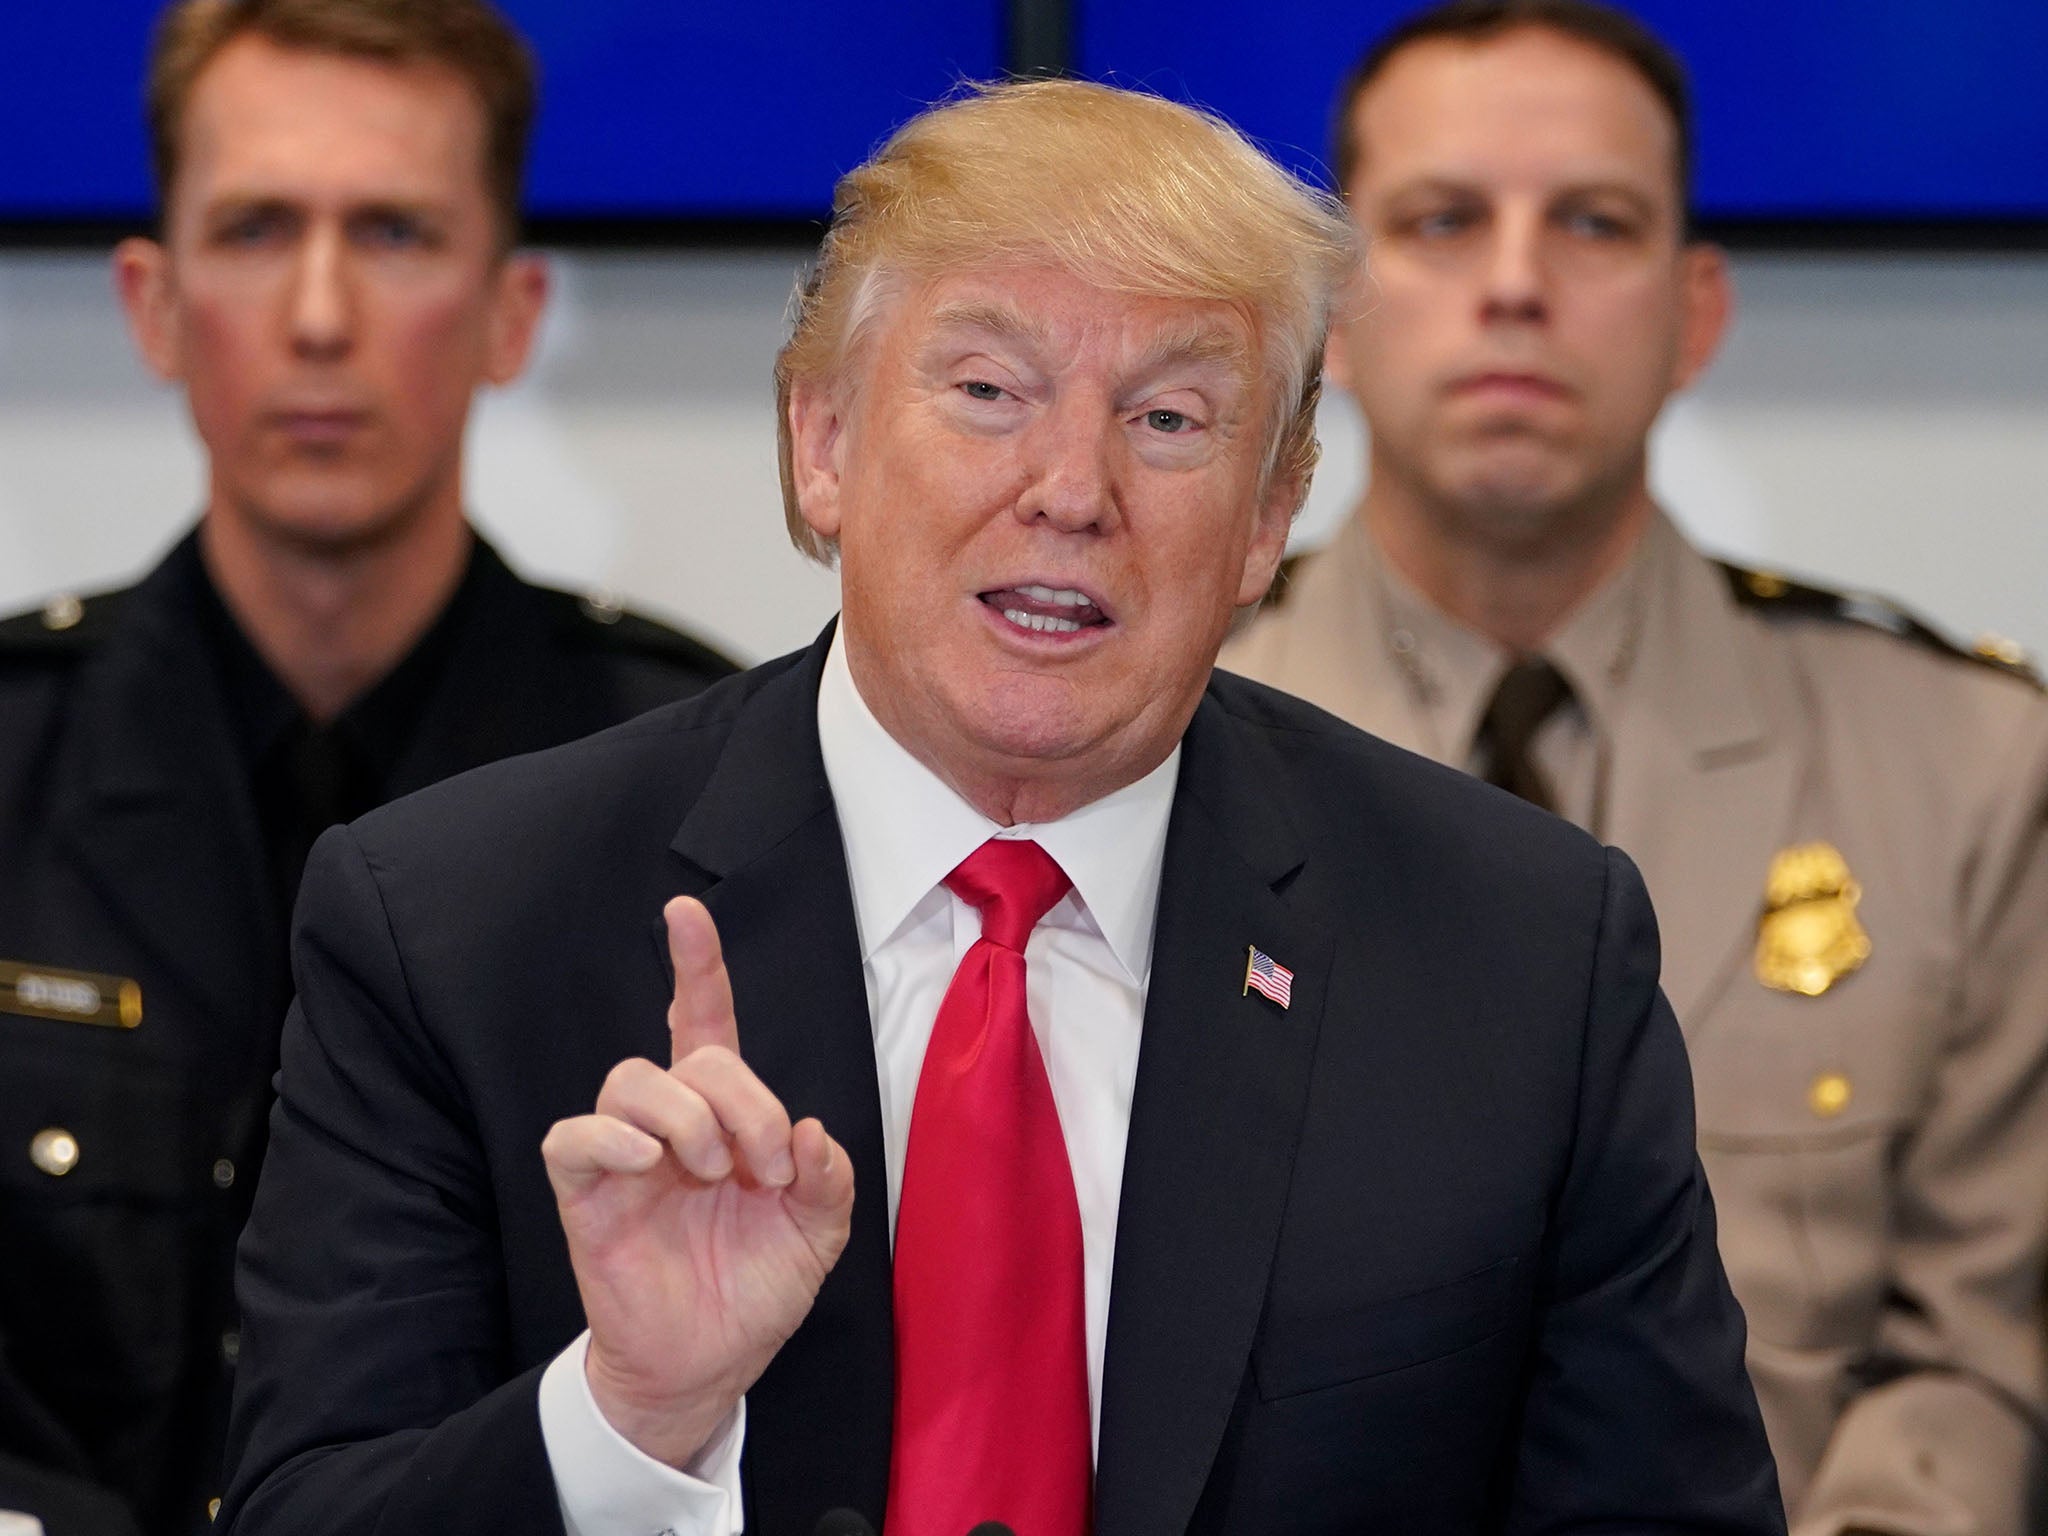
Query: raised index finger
[[701, 1013]]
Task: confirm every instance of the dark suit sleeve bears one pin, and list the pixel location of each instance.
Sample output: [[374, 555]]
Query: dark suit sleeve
[[376, 1391], [68, 1505], [1640, 1415]]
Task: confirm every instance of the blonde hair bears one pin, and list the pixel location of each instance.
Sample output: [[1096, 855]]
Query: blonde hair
[[1125, 190]]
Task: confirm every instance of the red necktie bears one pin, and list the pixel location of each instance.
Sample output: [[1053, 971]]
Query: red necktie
[[991, 1342]]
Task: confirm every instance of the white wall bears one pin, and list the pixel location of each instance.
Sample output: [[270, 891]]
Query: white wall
[[1881, 421]]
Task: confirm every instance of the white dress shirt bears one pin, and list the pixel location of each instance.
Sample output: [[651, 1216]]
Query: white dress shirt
[[1087, 967]]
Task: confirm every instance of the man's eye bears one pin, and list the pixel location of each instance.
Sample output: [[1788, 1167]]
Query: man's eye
[[392, 233], [250, 229], [981, 389], [1443, 223], [1595, 226], [1167, 421]]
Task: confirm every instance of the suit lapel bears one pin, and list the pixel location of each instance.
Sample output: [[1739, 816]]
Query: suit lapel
[[765, 834], [157, 813], [1704, 780], [1221, 1089]]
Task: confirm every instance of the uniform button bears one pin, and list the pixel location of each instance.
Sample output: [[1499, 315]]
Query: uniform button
[[1765, 584], [61, 613], [223, 1174], [231, 1346], [55, 1151], [1829, 1095], [213, 1509], [604, 607]]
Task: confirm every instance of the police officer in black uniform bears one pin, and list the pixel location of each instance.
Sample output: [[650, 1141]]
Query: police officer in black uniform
[[333, 280]]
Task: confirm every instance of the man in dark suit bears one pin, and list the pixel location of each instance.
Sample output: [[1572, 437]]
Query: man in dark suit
[[1255, 1127], [333, 281]]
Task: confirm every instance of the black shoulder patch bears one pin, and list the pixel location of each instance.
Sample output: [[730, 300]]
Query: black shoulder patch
[[597, 619], [1770, 592], [66, 625]]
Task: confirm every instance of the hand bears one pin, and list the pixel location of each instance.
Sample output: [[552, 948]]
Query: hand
[[700, 1223]]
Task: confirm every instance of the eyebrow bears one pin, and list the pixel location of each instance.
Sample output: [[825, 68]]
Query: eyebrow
[[1193, 341], [256, 201], [985, 315], [1643, 201], [1454, 186]]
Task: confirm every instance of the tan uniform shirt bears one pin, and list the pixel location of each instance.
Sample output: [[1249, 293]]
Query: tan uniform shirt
[[1878, 1148]]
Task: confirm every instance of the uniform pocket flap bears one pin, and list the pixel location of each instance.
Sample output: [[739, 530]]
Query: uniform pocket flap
[[82, 1119]]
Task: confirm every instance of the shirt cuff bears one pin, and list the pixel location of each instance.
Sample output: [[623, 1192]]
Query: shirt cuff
[[610, 1487]]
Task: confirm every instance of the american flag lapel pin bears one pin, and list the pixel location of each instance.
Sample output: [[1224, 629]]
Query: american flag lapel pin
[[1265, 975]]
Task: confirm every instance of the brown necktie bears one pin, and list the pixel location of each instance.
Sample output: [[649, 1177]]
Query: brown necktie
[[1527, 696]]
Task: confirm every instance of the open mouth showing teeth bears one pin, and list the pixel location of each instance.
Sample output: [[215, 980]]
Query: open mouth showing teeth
[[1046, 610]]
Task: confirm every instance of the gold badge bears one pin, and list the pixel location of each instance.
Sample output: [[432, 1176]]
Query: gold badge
[[77, 997], [1808, 938]]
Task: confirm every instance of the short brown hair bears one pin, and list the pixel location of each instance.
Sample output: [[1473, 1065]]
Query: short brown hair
[[1125, 190], [469, 37], [1613, 32]]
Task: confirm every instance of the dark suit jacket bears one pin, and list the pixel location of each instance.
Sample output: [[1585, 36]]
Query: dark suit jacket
[[1429, 1251], [128, 846]]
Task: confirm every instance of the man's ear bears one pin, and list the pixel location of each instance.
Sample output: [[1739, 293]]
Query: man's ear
[[522, 295], [142, 280], [1707, 295], [817, 453], [1277, 507]]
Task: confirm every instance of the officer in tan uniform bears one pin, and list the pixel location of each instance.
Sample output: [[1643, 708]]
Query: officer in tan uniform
[[1843, 821]]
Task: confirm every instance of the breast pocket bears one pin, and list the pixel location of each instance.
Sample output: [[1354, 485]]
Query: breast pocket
[[1805, 1223], [1297, 1354], [1802, 1103], [103, 1174]]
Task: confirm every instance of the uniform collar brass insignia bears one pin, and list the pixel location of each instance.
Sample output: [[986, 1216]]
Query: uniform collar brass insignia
[[74, 997], [1808, 937]]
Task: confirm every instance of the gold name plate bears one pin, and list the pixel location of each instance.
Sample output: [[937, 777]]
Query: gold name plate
[[76, 997]]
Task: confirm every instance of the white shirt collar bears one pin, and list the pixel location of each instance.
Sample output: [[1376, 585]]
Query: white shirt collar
[[905, 830]]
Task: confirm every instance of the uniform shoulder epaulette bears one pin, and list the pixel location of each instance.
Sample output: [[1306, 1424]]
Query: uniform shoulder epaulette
[[68, 624], [1770, 592], [599, 618]]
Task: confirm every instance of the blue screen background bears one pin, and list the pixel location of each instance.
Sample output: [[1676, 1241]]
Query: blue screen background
[[1811, 109], [650, 108], [1808, 109]]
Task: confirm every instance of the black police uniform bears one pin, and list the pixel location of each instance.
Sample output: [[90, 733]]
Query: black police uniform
[[159, 790]]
